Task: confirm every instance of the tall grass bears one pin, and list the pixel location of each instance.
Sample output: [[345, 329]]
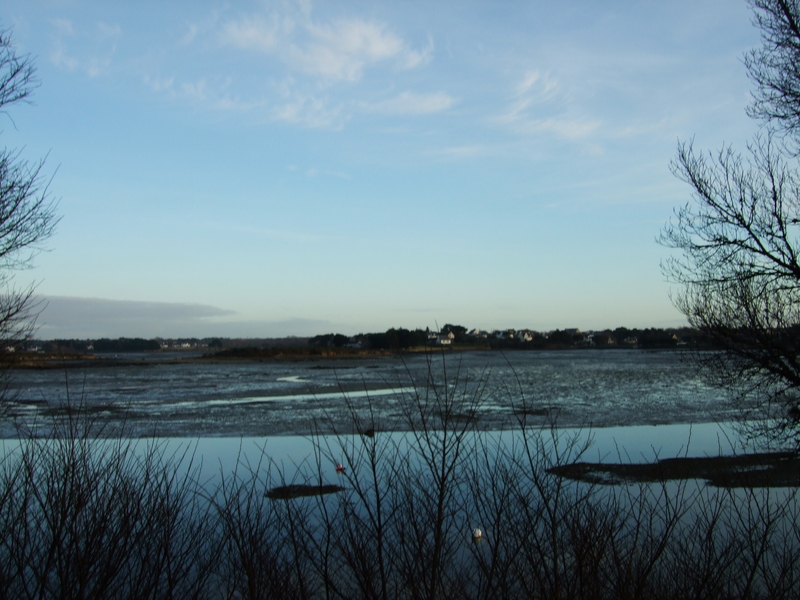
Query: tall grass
[[82, 517]]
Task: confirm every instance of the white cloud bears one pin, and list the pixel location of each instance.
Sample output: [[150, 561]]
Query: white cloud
[[195, 90], [202, 27], [461, 151], [546, 88], [291, 67], [342, 50], [335, 51], [91, 53], [411, 103], [109, 31], [256, 33], [201, 91], [191, 33], [538, 107], [310, 111], [534, 89], [414, 58], [229, 103], [96, 67], [60, 58], [160, 85], [65, 316], [63, 26]]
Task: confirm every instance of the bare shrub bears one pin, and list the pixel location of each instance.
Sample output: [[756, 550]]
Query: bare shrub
[[84, 517]]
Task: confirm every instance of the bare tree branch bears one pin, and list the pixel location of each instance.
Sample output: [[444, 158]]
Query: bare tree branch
[[27, 210], [738, 237]]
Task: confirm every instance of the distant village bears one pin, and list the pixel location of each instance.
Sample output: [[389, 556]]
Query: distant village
[[394, 339], [459, 336]]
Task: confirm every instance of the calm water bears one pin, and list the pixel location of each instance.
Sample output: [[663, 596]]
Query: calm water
[[294, 456], [197, 400]]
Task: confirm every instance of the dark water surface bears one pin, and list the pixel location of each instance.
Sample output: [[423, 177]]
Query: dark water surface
[[576, 388]]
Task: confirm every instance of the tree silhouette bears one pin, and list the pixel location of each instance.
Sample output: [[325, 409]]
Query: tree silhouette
[[739, 236], [27, 211]]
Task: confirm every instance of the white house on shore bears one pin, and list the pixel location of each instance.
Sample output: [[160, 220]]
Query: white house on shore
[[525, 335], [444, 339]]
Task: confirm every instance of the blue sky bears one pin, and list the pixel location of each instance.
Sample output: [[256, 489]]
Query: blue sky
[[293, 168]]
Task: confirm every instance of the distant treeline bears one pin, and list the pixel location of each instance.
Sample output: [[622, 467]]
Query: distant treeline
[[399, 338], [103, 345], [392, 339], [621, 337]]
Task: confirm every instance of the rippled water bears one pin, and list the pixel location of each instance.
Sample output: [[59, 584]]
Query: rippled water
[[202, 399]]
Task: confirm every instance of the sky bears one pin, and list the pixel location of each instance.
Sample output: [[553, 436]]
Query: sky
[[275, 168]]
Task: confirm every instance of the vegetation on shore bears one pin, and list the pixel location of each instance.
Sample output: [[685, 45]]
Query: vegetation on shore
[[393, 340]]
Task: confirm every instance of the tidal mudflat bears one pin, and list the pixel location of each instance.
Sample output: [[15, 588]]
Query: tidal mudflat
[[194, 399]]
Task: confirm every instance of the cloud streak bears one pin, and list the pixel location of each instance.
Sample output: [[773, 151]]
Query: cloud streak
[[289, 65], [68, 317], [412, 103], [337, 51], [69, 306], [94, 62], [537, 107]]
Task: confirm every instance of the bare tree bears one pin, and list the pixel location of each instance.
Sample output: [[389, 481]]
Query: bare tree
[[27, 210], [775, 66], [739, 236], [740, 271]]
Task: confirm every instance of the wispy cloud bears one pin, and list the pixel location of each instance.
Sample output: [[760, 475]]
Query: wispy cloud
[[297, 67], [538, 85], [91, 318], [461, 151], [109, 30], [536, 107], [231, 103], [191, 33], [61, 59], [202, 27], [162, 85], [98, 66], [63, 26], [342, 50], [335, 51], [195, 90], [97, 317], [414, 58], [307, 110], [59, 56], [411, 103], [91, 52], [254, 33]]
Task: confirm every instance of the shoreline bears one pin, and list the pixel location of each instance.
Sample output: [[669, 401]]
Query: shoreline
[[275, 354]]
